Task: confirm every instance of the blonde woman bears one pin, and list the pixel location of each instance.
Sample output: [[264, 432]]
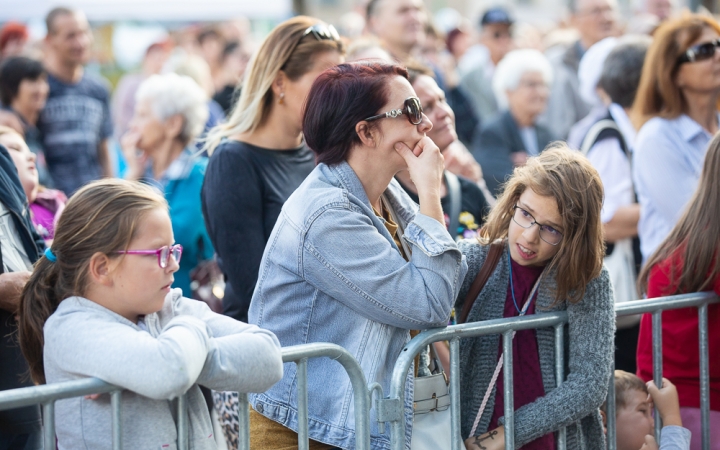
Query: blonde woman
[[258, 157]]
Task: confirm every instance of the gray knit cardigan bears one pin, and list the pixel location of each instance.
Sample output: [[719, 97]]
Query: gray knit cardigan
[[588, 358]]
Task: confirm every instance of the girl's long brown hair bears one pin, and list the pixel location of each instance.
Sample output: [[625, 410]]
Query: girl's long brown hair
[[696, 235], [569, 178], [102, 217]]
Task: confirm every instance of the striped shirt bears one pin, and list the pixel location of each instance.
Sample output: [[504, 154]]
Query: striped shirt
[[667, 162]]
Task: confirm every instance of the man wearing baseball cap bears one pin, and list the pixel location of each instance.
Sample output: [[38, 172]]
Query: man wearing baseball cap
[[496, 36]]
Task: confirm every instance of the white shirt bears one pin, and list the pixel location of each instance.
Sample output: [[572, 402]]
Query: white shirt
[[608, 157]]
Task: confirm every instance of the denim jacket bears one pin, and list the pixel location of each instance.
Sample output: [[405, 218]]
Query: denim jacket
[[331, 272]]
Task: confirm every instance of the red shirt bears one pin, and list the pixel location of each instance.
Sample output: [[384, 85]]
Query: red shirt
[[681, 354]]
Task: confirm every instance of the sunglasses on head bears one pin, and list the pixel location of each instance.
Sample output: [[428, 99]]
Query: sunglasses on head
[[323, 32], [412, 108], [699, 52]]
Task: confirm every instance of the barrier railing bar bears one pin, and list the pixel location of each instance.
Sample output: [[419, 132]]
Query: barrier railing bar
[[116, 405], [508, 390], [657, 363], [243, 422], [704, 377], [455, 434], [652, 305], [560, 373], [49, 424], [182, 425], [35, 395], [357, 380], [302, 394], [610, 412]]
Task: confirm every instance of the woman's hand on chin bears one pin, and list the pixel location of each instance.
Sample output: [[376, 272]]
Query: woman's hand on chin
[[492, 440], [426, 165]]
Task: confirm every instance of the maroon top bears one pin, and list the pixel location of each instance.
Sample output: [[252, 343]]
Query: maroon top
[[528, 384]]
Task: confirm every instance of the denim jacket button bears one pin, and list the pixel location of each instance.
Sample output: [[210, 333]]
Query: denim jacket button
[[259, 408]]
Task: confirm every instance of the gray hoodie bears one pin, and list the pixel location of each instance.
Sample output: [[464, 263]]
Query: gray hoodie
[[167, 354]]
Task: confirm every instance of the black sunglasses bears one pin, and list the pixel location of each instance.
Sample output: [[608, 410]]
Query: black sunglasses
[[699, 52], [412, 108]]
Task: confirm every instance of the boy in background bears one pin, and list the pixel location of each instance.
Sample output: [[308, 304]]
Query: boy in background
[[634, 421]]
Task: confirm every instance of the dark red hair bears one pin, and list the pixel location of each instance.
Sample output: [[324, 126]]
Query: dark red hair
[[12, 31], [341, 97]]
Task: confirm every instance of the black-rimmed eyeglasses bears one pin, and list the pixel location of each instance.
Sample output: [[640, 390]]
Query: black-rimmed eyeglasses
[[699, 52], [526, 220], [412, 108]]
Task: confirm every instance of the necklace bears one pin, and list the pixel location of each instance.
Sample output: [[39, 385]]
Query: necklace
[[512, 289]]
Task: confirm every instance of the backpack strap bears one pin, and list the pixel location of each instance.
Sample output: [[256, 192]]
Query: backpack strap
[[491, 261], [603, 129], [453, 186]]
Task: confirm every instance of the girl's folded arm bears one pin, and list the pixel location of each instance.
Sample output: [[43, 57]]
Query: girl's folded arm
[[591, 330], [241, 357], [159, 368]]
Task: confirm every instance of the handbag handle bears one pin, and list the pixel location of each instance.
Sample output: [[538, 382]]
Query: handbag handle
[[491, 261]]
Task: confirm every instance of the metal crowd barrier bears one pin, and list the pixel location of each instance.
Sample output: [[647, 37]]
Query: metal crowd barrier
[[47, 395], [390, 409]]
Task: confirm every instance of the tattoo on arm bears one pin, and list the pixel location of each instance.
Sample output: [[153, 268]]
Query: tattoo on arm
[[479, 439]]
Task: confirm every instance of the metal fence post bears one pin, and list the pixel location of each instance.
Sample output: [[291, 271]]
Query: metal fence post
[[115, 402], [704, 376], [302, 395], [455, 433], [243, 422], [657, 363], [49, 424], [560, 373], [508, 390], [610, 414], [182, 425]]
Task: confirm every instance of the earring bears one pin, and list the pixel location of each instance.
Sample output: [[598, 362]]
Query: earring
[[282, 98]]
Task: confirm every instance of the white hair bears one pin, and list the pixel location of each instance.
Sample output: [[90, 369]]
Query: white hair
[[511, 69], [170, 94]]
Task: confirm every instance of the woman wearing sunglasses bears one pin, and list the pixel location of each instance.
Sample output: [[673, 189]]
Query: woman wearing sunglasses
[[352, 259], [258, 157], [676, 111], [542, 245]]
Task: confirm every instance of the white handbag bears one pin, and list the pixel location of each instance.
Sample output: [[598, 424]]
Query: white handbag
[[431, 418], [621, 267]]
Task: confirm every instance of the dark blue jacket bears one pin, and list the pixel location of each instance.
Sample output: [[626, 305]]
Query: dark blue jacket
[[13, 368]]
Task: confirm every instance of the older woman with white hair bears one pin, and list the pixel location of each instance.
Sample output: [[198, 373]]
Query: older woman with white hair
[[170, 112], [521, 84]]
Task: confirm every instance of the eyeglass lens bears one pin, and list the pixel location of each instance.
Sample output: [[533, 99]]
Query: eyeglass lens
[[526, 220], [166, 252]]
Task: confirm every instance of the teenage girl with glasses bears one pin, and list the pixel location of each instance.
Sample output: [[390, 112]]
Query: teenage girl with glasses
[[545, 237], [688, 261], [99, 304]]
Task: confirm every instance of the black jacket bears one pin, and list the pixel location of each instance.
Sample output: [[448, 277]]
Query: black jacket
[[495, 141], [13, 368]]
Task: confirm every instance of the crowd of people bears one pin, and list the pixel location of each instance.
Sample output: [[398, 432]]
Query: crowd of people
[[355, 188]]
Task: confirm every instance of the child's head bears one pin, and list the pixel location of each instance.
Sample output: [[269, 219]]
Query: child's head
[[561, 192], [23, 159], [102, 219], [633, 411]]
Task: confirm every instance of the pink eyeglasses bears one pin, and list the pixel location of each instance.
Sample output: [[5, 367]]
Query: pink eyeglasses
[[163, 254]]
